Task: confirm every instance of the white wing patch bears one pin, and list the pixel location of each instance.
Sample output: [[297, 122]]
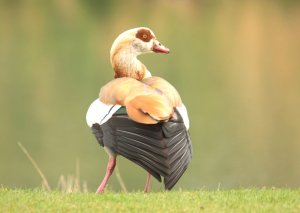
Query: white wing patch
[[183, 112], [99, 112]]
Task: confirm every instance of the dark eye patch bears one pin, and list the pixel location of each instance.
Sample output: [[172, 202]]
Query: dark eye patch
[[144, 34]]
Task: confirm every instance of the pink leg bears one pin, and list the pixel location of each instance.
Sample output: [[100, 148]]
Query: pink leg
[[148, 183], [109, 170]]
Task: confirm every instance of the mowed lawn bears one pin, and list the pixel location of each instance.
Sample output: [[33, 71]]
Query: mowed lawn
[[241, 200]]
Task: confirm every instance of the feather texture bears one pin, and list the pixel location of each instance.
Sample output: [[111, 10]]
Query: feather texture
[[163, 149], [164, 87], [147, 101]]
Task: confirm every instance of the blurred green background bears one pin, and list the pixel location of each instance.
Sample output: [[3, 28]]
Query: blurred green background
[[236, 65]]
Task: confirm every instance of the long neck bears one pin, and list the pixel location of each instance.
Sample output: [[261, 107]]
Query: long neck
[[125, 64]]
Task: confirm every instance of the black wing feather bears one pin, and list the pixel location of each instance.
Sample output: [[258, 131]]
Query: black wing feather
[[163, 149]]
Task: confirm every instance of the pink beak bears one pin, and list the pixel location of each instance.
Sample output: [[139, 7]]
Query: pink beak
[[159, 48]]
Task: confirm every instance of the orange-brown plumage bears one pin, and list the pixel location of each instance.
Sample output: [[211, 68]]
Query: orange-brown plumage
[[149, 109], [147, 101], [166, 88]]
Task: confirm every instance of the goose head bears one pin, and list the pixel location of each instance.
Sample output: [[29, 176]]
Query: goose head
[[130, 44]]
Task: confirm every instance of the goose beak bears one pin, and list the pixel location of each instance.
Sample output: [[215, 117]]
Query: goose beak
[[159, 48]]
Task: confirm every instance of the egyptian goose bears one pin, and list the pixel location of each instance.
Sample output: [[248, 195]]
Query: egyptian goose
[[141, 117]]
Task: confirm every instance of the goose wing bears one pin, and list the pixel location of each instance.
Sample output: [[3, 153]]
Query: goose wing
[[163, 149]]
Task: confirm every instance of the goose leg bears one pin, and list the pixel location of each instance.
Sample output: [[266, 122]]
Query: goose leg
[[148, 183], [109, 170]]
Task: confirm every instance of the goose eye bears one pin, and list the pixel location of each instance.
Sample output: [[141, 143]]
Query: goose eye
[[144, 35]]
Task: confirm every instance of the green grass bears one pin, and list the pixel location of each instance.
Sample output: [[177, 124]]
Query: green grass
[[242, 200]]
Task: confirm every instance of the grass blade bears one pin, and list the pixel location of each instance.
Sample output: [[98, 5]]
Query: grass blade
[[120, 180], [45, 182]]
